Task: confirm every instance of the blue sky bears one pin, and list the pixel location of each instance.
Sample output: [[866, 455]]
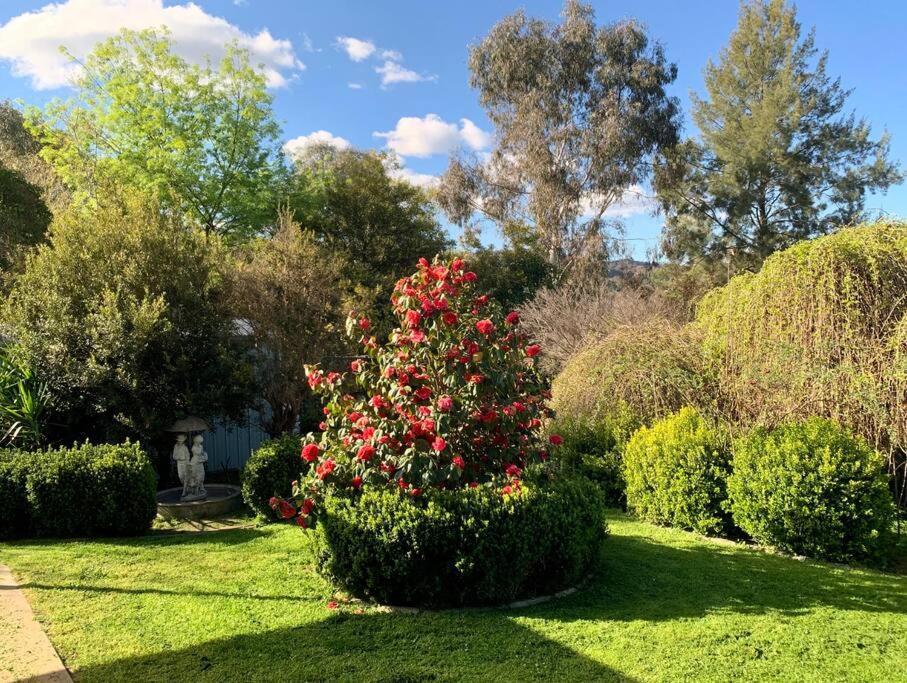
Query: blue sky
[[419, 50]]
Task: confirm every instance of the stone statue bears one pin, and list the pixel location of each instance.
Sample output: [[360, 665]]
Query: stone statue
[[197, 467], [181, 457]]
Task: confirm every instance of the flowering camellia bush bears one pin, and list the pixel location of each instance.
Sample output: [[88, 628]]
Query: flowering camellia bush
[[452, 400]]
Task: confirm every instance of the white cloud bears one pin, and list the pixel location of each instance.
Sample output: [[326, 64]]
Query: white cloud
[[356, 49], [354, 86], [423, 137], [425, 180], [31, 41], [298, 146], [633, 202], [394, 72]]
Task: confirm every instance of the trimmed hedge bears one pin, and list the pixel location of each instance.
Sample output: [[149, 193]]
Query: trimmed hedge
[[87, 490], [270, 472], [676, 472], [814, 489], [471, 546]]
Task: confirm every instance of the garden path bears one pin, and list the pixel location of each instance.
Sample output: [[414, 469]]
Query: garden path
[[26, 654]]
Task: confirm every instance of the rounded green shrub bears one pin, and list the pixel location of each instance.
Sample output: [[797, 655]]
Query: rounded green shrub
[[460, 547], [812, 488], [87, 490], [676, 472], [270, 471]]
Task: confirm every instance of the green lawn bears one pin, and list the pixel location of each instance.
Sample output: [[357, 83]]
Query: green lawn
[[245, 605]]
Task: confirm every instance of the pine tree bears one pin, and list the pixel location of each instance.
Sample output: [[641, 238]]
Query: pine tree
[[778, 158]]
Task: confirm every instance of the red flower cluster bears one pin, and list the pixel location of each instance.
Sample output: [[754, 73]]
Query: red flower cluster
[[453, 399]]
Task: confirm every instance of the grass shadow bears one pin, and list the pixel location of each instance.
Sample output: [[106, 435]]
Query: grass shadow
[[641, 578], [477, 645]]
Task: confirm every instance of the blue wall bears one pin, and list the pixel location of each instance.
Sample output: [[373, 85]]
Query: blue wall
[[229, 446]]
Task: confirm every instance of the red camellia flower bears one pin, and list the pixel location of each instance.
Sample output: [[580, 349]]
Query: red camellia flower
[[302, 522], [307, 506], [533, 350], [449, 318], [413, 318], [356, 365], [286, 509], [364, 323], [458, 462], [445, 404], [310, 452], [469, 277], [325, 468], [513, 471], [422, 393], [272, 501], [439, 444], [486, 327], [356, 482], [415, 492], [512, 318], [556, 439], [366, 452]]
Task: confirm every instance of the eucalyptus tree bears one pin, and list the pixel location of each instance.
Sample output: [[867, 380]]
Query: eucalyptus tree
[[578, 110]]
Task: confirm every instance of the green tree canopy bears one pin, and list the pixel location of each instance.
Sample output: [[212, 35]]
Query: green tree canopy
[[289, 290], [578, 110], [204, 139], [123, 315], [778, 158], [353, 204]]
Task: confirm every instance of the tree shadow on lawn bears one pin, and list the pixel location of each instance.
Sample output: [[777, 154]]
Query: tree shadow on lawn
[[467, 645], [153, 538], [642, 579]]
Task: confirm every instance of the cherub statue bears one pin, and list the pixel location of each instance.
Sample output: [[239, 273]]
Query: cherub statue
[[181, 457], [197, 466]]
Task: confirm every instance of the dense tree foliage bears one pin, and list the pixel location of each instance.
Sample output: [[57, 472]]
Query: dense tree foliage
[[350, 201], [203, 138], [778, 158], [577, 111], [289, 291], [122, 315], [23, 216]]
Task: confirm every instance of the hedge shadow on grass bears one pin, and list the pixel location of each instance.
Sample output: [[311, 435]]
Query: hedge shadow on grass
[[385, 648], [642, 579]]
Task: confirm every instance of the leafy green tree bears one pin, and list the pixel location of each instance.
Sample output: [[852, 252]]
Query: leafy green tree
[[123, 314], [290, 291], [380, 225], [778, 158], [577, 110], [204, 139]]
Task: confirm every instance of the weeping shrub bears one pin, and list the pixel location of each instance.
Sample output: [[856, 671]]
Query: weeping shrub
[[818, 331], [812, 488], [647, 371], [676, 472]]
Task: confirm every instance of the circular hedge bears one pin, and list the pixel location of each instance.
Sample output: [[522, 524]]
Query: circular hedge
[[676, 473], [462, 547], [270, 471], [812, 488]]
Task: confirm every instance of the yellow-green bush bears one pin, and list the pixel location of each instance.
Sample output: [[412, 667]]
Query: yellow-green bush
[[647, 370], [676, 472], [819, 330], [812, 488]]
